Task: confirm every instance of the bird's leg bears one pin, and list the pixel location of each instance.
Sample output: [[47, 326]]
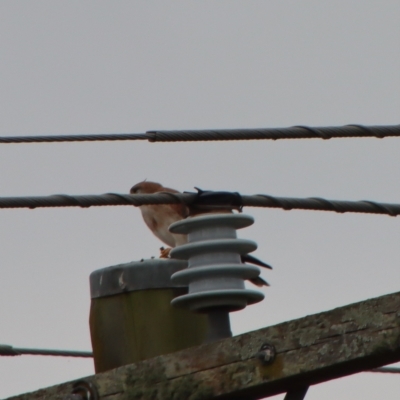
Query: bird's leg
[[164, 252]]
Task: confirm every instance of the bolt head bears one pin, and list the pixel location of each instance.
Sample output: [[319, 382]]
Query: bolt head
[[266, 354]]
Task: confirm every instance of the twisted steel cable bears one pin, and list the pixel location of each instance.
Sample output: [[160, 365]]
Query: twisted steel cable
[[260, 200], [294, 132]]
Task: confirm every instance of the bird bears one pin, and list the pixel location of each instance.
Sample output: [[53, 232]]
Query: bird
[[158, 218]]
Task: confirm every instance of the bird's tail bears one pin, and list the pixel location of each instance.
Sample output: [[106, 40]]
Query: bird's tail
[[260, 282], [252, 260]]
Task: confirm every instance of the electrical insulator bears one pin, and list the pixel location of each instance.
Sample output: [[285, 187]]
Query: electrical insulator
[[215, 274]]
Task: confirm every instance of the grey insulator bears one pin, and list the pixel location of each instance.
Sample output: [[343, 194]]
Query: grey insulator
[[215, 273]]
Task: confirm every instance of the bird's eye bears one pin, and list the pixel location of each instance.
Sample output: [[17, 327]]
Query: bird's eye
[[138, 190]]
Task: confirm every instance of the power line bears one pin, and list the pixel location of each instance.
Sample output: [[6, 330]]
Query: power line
[[73, 138], [294, 132], [6, 350], [260, 200], [386, 370]]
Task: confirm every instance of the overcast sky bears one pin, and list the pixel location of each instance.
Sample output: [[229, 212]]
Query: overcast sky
[[131, 66]]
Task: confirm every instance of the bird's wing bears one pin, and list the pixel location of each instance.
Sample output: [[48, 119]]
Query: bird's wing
[[179, 208]]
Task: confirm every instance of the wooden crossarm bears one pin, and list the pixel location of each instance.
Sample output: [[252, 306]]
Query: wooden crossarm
[[310, 350]]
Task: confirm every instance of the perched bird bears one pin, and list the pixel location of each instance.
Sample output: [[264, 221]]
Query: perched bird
[[158, 217]]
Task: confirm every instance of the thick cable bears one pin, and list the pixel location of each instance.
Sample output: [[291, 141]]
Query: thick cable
[[261, 200], [294, 132]]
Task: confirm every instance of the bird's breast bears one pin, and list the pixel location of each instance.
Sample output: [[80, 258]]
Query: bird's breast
[[158, 218]]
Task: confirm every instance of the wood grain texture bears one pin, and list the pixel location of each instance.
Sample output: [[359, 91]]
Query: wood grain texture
[[310, 350], [135, 326]]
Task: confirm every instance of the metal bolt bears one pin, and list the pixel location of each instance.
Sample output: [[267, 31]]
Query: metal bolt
[[266, 354], [85, 390]]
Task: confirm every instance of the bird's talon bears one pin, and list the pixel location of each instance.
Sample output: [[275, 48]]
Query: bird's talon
[[164, 253]]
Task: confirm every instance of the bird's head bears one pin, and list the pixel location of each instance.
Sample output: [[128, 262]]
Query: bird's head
[[146, 187]]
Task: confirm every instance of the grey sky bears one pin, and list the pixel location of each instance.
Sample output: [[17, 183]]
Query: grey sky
[[130, 66]]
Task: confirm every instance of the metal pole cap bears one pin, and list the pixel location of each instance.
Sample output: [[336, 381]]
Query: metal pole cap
[[135, 275]]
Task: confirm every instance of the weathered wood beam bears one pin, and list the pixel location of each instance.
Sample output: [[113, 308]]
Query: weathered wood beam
[[310, 350]]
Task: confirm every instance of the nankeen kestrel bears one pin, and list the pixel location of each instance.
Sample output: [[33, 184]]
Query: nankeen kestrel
[[158, 217]]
